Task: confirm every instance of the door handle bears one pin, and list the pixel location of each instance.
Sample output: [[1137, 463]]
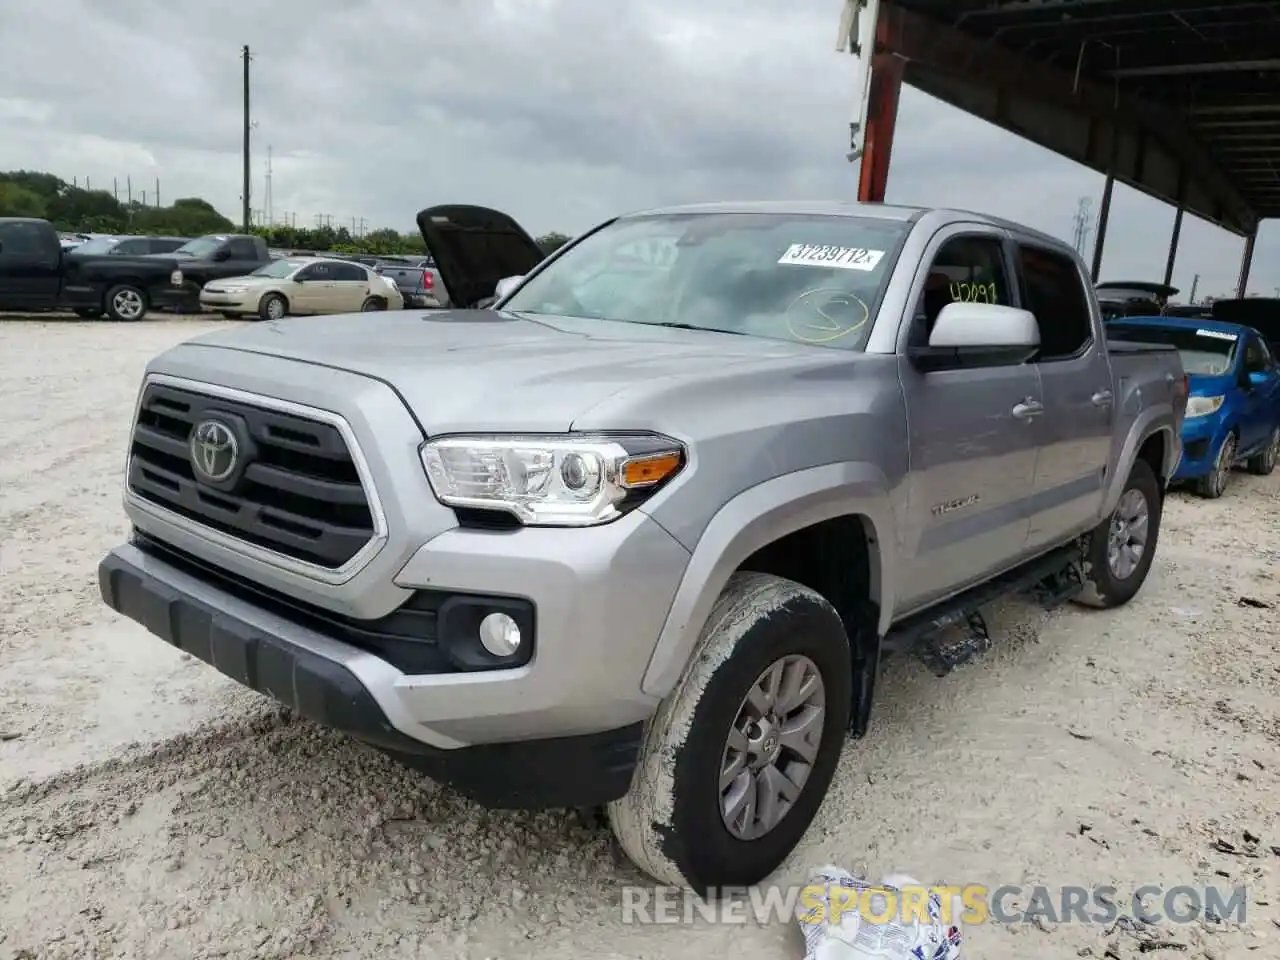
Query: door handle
[[1027, 409], [1102, 398]]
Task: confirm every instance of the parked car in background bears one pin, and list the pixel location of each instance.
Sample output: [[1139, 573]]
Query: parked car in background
[[37, 274], [1261, 313], [645, 544], [1233, 411], [128, 246], [216, 257], [301, 286], [1199, 311], [417, 280], [1133, 298], [70, 241]]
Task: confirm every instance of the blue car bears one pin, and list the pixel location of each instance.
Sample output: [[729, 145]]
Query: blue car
[[1233, 411]]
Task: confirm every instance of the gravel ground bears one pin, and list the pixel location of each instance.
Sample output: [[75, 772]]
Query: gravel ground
[[151, 808]]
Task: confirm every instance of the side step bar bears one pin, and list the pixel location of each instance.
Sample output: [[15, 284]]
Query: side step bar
[[1052, 579]]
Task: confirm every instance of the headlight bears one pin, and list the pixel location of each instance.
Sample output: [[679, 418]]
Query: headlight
[[553, 481], [175, 278], [1203, 406]]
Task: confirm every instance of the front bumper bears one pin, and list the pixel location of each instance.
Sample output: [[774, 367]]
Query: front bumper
[[1201, 438], [228, 302], [345, 688]]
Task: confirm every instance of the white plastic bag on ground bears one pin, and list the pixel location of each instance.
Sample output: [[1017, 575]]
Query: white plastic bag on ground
[[846, 934]]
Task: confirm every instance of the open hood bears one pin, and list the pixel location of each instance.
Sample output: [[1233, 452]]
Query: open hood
[[474, 248], [1261, 313]]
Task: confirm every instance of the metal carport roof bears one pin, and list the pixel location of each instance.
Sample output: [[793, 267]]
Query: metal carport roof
[[1177, 98]]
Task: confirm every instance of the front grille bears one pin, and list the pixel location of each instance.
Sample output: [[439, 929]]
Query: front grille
[[300, 494]]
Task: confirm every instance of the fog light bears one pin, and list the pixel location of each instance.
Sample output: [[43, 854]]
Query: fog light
[[500, 634]]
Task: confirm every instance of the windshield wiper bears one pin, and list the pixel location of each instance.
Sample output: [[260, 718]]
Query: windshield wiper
[[672, 325]]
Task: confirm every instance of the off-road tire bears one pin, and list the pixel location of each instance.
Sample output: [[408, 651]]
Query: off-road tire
[[1102, 588], [1262, 464], [126, 303], [1214, 485], [670, 822], [270, 304], [373, 303]]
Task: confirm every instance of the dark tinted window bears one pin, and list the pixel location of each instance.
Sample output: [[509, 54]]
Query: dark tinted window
[[242, 248], [22, 239], [1255, 357], [349, 271], [317, 271], [1053, 289], [132, 248], [965, 270], [162, 245]]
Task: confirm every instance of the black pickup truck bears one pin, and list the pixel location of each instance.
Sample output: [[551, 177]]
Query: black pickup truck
[[37, 275], [215, 257]]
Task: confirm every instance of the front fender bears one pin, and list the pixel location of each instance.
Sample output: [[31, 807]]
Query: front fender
[[757, 517]]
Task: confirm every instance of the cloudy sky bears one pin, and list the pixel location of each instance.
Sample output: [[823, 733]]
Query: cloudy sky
[[561, 112]]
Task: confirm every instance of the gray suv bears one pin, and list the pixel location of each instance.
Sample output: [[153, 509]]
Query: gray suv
[[642, 534]]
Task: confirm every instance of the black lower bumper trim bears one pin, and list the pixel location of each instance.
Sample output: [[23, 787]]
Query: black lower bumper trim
[[578, 771]]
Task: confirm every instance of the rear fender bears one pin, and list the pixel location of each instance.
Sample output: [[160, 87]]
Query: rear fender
[[757, 517], [1156, 419]]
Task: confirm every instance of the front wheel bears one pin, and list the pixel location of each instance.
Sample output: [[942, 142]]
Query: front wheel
[[273, 307], [1265, 462], [738, 758], [1215, 484], [1121, 548], [126, 303]]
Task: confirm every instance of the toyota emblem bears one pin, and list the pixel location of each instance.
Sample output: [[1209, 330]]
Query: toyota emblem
[[215, 452]]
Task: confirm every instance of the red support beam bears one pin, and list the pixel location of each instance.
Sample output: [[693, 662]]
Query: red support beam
[[882, 118]]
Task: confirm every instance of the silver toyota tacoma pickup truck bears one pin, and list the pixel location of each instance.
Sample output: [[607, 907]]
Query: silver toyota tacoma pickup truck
[[640, 533]]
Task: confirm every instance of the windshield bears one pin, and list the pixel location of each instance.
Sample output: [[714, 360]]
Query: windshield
[[199, 247], [1203, 352], [806, 279], [98, 245], [277, 269]]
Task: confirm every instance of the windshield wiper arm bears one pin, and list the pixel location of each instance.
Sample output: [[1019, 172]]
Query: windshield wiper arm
[[673, 325]]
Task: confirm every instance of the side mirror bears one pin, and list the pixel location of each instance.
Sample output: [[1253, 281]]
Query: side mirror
[[506, 285], [978, 335], [223, 254]]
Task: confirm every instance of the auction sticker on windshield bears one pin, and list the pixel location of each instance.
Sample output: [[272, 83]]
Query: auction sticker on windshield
[[1217, 335], [818, 255]]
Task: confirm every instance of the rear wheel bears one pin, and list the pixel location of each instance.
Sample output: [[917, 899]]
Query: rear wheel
[[126, 303], [1121, 548], [273, 307], [373, 303], [1263, 463], [737, 760], [1215, 484]]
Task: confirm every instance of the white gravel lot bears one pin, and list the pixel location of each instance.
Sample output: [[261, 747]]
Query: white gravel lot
[[150, 808]]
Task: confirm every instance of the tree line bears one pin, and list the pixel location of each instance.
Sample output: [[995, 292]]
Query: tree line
[[72, 209]]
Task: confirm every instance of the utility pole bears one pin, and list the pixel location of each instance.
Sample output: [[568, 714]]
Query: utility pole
[[157, 191], [115, 188], [267, 198], [128, 186], [246, 213]]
